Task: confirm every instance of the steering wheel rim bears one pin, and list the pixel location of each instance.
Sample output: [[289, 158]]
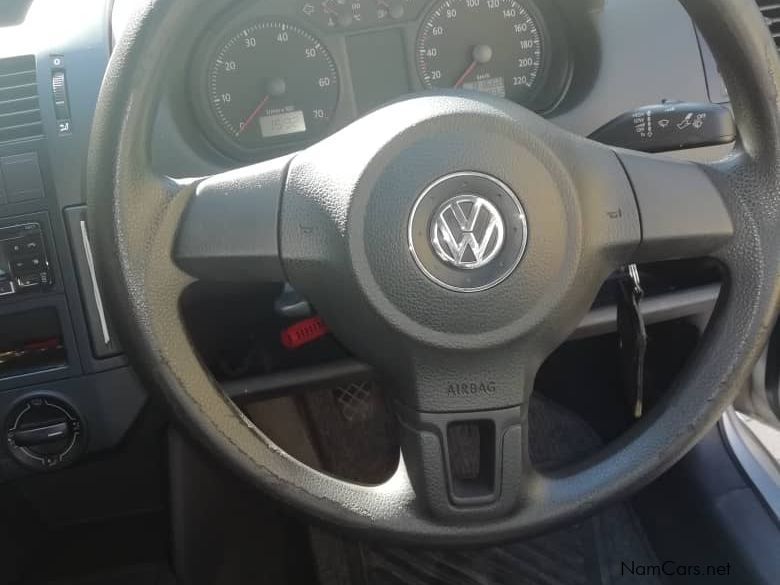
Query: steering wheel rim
[[137, 219]]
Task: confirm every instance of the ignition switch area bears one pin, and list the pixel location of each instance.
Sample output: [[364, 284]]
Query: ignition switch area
[[43, 433]]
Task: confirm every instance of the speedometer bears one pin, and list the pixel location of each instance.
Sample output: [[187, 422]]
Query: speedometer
[[492, 46], [269, 84]]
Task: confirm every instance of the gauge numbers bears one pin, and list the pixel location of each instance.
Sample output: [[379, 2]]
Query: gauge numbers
[[492, 46], [272, 83]]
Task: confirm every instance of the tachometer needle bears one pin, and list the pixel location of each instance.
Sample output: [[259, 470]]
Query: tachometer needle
[[253, 115], [481, 54]]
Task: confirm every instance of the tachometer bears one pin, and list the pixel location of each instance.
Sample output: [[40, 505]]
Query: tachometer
[[271, 83], [493, 46]]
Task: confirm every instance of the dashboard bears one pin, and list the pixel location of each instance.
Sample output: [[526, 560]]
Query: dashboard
[[255, 81], [269, 79], [261, 79]]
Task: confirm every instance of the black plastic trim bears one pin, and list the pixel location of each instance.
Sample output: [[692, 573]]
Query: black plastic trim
[[302, 379], [600, 321]]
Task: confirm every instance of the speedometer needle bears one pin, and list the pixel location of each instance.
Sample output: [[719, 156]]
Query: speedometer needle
[[481, 54], [253, 115], [466, 74]]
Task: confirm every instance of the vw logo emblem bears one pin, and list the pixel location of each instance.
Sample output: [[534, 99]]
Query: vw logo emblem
[[467, 232]]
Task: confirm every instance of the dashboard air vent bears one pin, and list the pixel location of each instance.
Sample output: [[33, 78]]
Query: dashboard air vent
[[20, 113], [771, 11]]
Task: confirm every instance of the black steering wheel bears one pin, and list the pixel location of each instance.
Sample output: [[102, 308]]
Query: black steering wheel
[[452, 241]]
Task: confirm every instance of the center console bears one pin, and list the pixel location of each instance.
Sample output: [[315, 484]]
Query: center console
[[24, 261], [66, 391]]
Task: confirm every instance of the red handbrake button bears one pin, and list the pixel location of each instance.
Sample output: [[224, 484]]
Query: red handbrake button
[[304, 332]]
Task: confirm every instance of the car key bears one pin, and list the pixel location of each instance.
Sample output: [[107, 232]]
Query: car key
[[632, 336]]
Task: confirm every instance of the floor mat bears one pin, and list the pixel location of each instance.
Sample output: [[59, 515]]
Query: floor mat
[[135, 575], [592, 552]]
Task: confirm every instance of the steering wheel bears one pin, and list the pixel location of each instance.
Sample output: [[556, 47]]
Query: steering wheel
[[452, 241]]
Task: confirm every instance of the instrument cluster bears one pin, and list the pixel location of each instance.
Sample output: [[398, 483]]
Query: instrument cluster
[[273, 79]]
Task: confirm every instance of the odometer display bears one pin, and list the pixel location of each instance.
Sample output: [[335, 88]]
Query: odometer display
[[271, 83], [492, 46]]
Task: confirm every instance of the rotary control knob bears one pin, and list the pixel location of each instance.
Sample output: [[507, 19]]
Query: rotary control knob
[[43, 433]]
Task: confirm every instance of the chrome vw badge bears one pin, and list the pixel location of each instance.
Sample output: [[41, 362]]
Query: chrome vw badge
[[467, 232]]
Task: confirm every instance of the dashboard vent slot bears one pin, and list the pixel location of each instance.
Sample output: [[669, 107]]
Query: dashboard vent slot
[[771, 12], [20, 111]]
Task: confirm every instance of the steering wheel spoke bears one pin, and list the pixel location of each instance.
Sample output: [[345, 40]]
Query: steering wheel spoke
[[467, 465], [681, 207], [229, 231], [463, 429]]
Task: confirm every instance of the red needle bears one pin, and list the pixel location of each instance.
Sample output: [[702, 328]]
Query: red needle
[[466, 73], [252, 116]]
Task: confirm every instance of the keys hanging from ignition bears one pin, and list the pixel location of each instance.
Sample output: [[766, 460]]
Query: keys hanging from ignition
[[632, 337]]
